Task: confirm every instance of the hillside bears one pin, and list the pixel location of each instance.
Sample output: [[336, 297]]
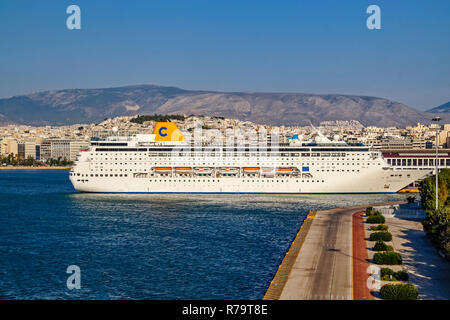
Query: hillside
[[93, 105], [444, 108]]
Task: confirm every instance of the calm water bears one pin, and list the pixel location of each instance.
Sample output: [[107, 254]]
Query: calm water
[[144, 246]]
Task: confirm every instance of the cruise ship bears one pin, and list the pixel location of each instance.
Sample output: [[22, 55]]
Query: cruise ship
[[165, 162]]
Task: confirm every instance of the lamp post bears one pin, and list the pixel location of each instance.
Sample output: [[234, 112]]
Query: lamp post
[[437, 119]]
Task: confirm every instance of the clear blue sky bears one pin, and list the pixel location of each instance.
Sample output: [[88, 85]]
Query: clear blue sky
[[316, 46]]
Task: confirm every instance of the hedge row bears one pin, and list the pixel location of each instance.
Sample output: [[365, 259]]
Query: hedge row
[[391, 275], [376, 219], [384, 236], [381, 246], [389, 258], [380, 227], [399, 292]]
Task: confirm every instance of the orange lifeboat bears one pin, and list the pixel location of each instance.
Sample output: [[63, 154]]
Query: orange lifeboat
[[284, 170], [183, 169], [163, 169]]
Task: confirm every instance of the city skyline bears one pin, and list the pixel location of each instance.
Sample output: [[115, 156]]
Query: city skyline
[[295, 46]]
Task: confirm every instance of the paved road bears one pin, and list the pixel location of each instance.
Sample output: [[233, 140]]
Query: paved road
[[323, 269]]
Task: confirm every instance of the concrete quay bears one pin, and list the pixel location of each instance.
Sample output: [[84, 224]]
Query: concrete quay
[[319, 264]]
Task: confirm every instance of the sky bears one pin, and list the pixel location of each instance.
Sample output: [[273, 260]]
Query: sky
[[311, 46]]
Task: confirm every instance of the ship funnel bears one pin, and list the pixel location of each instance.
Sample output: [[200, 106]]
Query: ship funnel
[[167, 131]]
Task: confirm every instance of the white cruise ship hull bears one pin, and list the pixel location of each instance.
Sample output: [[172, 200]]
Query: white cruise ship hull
[[372, 182], [164, 163]]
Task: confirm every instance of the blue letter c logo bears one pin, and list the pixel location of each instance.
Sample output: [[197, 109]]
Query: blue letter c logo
[[160, 131]]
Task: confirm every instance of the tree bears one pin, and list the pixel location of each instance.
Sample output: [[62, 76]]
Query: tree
[[437, 227], [442, 193], [428, 190]]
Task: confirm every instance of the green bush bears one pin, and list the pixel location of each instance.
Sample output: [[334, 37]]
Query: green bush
[[399, 292], [389, 258], [384, 235], [390, 275], [378, 218], [372, 212], [380, 227], [381, 246], [401, 275]]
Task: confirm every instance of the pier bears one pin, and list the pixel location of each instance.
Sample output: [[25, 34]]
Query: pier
[[319, 264]]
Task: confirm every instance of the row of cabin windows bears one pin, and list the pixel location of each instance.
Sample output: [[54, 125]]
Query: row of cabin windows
[[213, 180], [418, 162], [258, 163], [101, 175], [200, 158], [101, 169], [240, 154]]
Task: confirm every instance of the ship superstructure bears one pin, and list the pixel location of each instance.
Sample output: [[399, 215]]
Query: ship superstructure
[[164, 162]]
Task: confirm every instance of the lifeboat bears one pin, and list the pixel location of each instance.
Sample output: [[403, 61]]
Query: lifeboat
[[183, 169], [163, 169], [203, 170], [229, 170], [251, 169], [267, 171], [284, 170]]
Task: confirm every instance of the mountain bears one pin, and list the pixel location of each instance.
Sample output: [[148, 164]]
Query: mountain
[[442, 108], [94, 105]]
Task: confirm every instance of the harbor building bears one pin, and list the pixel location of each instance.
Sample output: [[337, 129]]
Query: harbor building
[[8, 146], [60, 149]]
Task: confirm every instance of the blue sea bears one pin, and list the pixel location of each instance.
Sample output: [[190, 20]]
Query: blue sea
[[144, 246]]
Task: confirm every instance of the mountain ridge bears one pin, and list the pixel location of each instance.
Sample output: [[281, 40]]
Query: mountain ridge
[[443, 108], [70, 106]]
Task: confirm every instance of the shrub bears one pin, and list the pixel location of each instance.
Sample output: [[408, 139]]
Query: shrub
[[389, 258], [384, 235], [381, 246], [380, 227], [401, 275], [390, 275], [372, 212], [399, 292], [387, 274], [378, 218]]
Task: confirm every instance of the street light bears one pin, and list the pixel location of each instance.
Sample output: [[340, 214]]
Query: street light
[[437, 119]]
